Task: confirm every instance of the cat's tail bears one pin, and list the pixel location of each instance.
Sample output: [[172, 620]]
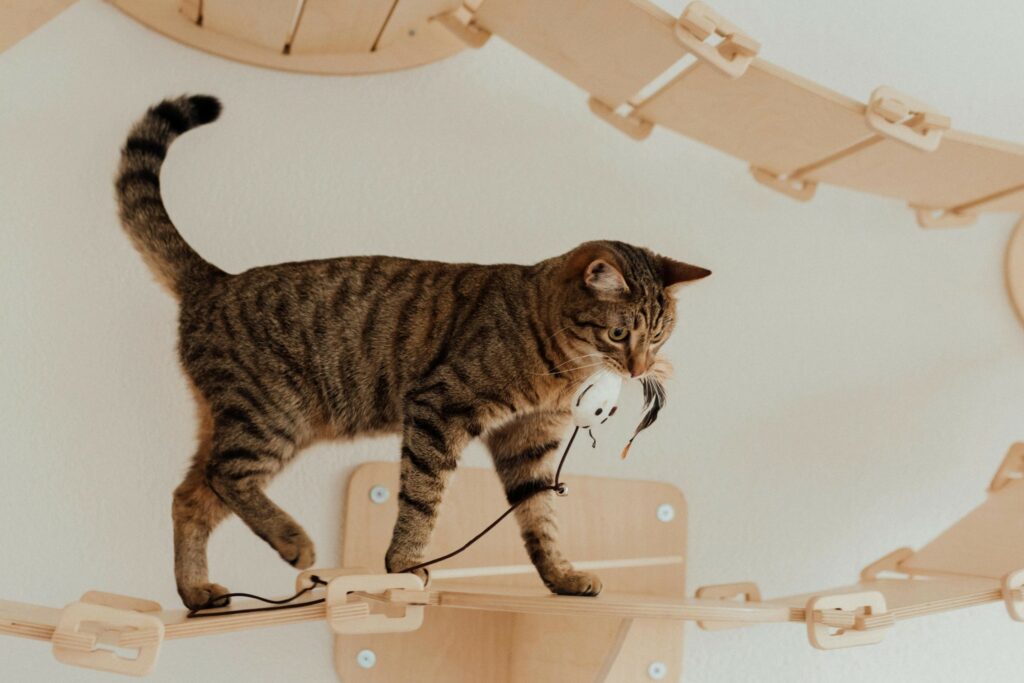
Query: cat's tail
[[143, 215]]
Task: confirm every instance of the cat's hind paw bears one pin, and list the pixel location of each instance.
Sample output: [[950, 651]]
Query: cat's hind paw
[[204, 595], [575, 583]]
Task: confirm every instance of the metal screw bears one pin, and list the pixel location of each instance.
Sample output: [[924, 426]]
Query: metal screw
[[380, 494], [367, 658], [666, 513], [657, 671], [412, 32]]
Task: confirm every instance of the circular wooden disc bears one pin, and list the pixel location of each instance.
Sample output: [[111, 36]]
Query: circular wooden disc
[[429, 42], [1015, 269]]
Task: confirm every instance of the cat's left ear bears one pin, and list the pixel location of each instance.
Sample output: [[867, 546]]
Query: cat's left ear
[[677, 273]]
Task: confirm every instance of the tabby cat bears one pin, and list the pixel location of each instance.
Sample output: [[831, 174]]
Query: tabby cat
[[282, 356]]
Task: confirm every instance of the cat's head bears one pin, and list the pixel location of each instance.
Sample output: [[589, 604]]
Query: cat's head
[[618, 307]]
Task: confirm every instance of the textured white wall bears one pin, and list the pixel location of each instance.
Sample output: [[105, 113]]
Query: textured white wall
[[847, 383]]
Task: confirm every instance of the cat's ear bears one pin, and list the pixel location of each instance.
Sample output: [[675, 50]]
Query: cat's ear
[[598, 269], [677, 273], [604, 279]]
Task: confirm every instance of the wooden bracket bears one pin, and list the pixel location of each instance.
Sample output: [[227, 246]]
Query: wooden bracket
[[732, 56], [906, 119], [1013, 594], [826, 633], [728, 591], [83, 627], [632, 125], [943, 218], [467, 31], [798, 188], [888, 563], [348, 615], [1012, 467]]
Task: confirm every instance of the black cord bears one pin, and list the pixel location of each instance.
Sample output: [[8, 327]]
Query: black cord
[[284, 603]]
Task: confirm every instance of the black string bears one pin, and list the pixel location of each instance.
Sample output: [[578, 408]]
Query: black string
[[558, 487], [284, 603]]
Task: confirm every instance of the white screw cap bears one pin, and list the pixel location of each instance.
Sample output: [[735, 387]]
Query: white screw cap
[[380, 494], [666, 513], [366, 658], [657, 671]]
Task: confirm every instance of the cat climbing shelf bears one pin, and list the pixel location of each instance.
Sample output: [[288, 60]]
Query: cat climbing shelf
[[389, 627]]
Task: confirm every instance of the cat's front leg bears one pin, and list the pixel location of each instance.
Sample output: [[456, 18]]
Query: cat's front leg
[[525, 452], [431, 447]]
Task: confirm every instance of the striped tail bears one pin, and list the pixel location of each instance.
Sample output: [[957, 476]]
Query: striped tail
[[142, 210]]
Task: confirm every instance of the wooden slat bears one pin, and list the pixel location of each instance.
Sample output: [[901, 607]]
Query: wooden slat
[[988, 542], [768, 117], [610, 48], [340, 25], [262, 22], [964, 168], [911, 597], [18, 18], [410, 17]]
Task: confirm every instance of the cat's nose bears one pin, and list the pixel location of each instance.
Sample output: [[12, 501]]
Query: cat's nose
[[637, 367]]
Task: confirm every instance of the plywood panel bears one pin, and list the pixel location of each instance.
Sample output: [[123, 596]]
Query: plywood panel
[[263, 22], [409, 18], [987, 542], [340, 25], [964, 168], [600, 519], [610, 48], [769, 117], [18, 18]]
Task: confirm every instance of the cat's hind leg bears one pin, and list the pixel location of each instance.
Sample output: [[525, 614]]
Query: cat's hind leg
[[525, 452], [247, 451]]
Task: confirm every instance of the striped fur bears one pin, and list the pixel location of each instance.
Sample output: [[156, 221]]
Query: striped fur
[[282, 356]]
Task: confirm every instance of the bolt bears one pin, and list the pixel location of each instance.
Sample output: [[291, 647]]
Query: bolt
[[367, 659], [380, 494], [657, 671], [666, 513]]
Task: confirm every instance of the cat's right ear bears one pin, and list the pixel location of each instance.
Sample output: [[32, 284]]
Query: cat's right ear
[[599, 272]]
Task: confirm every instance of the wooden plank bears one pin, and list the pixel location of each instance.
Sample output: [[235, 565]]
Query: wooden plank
[[599, 521], [610, 48], [331, 26], [988, 542], [430, 44], [769, 117], [409, 18], [19, 18], [964, 168], [262, 22], [1015, 269], [908, 598]]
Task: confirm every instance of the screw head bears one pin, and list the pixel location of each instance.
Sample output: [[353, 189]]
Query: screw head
[[366, 659], [657, 671], [666, 513], [380, 494]]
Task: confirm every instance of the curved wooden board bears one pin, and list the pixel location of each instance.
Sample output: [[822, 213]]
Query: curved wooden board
[[1015, 269]]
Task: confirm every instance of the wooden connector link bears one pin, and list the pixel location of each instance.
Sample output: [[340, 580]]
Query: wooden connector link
[[1013, 594], [798, 188], [839, 621], [84, 627], [632, 125], [732, 56], [353, 619], [467, 31], [889, 563], [1012, 467], [906, 119], [943, 218], [728, 591]]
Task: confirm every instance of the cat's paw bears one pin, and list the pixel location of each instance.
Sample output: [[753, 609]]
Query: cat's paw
[[574, 583], [294, 546], [204, 595], [393, 565]]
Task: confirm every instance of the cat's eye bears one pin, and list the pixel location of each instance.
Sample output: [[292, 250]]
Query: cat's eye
[[617, 334]]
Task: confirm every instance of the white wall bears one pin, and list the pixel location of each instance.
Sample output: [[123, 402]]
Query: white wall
[[847, 383]]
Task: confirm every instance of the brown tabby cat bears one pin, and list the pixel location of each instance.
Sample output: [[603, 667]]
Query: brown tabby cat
[[281, 356]]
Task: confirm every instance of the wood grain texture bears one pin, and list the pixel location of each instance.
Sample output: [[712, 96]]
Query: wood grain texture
[[261, 22], [410, 17], [769, 117], [610, 48], [19, 18], [541, 637], [344, 26], [430, 44]]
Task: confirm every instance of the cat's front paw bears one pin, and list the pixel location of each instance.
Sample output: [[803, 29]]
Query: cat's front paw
[[203, 595], [294, 546], [574, 583], [393, 565]]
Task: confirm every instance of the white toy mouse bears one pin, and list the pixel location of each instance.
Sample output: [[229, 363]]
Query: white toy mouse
[[597, 398]]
